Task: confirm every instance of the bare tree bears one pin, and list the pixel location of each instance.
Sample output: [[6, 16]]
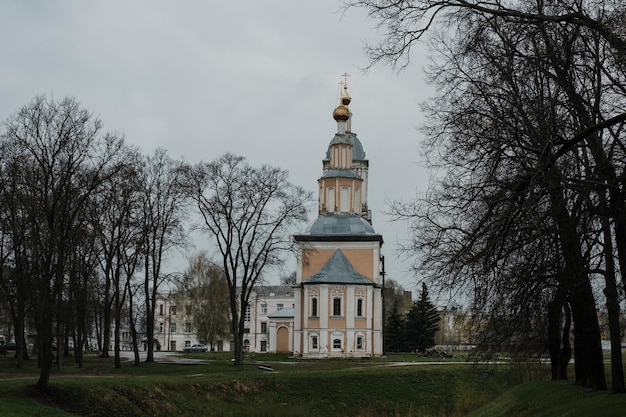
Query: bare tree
[[83, 264], [61, 158], [118, 230], [571, 55], [404, 23], [16, 264], [162, 227], [250, 213], [204, 289], [288, 279]]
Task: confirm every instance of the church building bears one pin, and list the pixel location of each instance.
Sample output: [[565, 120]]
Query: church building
[[338, 304]]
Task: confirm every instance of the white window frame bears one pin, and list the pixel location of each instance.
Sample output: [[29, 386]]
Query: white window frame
[[337, 339], [360, 338], [337, 342]]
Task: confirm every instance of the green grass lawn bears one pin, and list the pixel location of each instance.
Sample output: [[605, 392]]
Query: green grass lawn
[[554, 399], [369, 387]]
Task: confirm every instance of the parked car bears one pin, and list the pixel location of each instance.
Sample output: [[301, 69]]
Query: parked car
[[199, 347], [10, 346]]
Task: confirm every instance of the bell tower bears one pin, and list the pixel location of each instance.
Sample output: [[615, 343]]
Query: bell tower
[[343, 185], [338, 292]]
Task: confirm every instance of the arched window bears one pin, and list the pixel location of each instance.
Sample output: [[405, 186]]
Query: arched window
[[359, 342], [336, 343], [344, 199], [330, 199]]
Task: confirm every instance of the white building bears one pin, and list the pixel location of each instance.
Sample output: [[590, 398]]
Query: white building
[[264, 319]]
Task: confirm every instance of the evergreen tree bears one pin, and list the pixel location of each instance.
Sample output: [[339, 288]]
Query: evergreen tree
[[421, 324], [394, 340]]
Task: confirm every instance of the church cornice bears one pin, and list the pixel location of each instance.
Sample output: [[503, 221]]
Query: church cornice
[[339, 238]]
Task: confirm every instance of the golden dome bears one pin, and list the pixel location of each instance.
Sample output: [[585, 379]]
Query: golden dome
[[341, 113]]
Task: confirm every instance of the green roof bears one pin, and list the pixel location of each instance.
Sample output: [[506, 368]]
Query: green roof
[[358, 154], [341, 173], [340, 224]]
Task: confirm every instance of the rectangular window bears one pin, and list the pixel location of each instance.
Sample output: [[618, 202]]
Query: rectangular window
[[263, 308], [314, 307], [246, 330], [336, 306], [359, 342], [160, 309], [187, 327], [279, 306], [263, 327], [188, 309], [313, 342], [160, 327], [359, 307], [263, 345], [247, 313], [187, 343], [173, 310], [172, 327]]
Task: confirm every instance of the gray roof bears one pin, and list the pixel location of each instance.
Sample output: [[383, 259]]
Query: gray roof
[[341, 172], [338, 270], [358, 154], [276, 290], [340, 224], [285, 312]]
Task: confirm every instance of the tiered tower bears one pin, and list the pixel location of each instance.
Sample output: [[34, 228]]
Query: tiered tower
[[338, 297]]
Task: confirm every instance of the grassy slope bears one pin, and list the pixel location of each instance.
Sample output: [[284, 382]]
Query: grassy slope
[[329, 388], [554, 399]]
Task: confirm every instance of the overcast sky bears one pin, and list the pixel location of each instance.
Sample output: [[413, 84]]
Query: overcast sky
[[201, 78]]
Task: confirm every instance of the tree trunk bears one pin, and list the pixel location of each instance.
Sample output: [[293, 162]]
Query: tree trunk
[[612, 306], [106, 327], [131, 322], [21, 352], [565, 353], [237, 334], [589, 365], [44, 339], [118, 322], [150, 310], [555, 331]]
